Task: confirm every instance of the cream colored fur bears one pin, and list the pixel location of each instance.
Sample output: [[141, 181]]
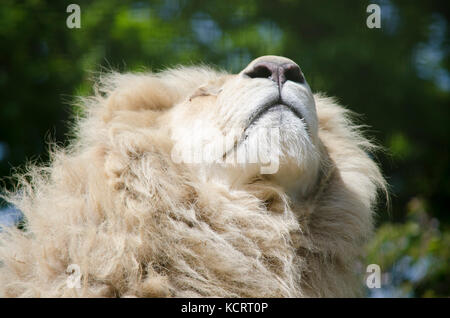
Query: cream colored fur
[[138, 224]]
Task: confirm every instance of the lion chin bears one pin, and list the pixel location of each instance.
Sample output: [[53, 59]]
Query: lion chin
[[194, 182]]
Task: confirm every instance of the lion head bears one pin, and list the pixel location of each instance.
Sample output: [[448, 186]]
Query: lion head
[[262, 121], [196, 182]]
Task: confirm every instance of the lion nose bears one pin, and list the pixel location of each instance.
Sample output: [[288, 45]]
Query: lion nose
[[277, 72]]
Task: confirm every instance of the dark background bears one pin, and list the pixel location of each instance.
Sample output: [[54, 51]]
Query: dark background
[[397, 77]]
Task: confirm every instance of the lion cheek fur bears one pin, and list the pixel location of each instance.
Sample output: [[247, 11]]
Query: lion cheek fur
[[139, 224]]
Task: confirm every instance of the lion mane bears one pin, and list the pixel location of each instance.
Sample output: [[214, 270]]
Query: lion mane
[[138, 224]]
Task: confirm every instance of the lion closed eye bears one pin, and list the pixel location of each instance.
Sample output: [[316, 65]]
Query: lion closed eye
[[194, 182]]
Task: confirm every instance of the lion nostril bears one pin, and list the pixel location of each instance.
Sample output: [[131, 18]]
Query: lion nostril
[[293, 73], [277, 72], [261, 70]]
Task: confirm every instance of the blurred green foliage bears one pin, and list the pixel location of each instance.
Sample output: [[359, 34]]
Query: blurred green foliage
[[397, 77], [416, 254]]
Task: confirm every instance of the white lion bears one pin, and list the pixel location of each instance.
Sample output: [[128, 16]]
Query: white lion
[[279, 202]]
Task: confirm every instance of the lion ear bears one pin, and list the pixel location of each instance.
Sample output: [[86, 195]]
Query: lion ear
[[212, 88], [205, 91]]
